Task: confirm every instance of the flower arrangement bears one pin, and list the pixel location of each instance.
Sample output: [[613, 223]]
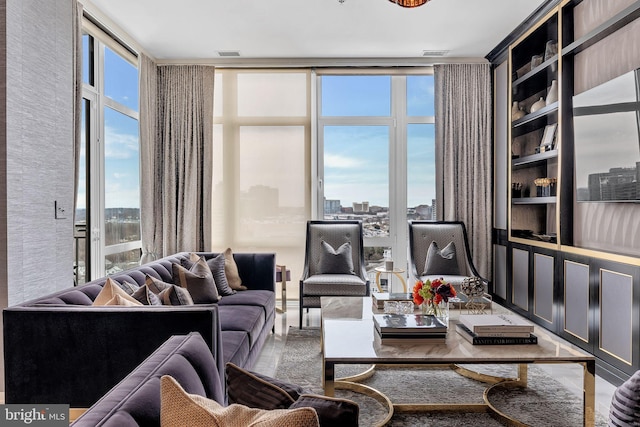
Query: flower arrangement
[[431, 293]]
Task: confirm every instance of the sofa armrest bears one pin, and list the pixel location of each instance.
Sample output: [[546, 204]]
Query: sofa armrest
[[257, 270], [74, 354]]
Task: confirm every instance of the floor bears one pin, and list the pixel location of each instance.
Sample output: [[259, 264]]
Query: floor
[[570, 375]]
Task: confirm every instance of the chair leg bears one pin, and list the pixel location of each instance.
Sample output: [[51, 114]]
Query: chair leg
[[300, 313]]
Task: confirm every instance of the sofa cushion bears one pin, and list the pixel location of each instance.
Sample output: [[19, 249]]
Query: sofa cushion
[[231, 271], [247, 318], [179, 408], [145, 296], [169, 294], [259, 391], [258, 297], [129, 287], [119, 300], [331, 411], [624, 409], [110, 290], [198, 279], [216, 265], [235, 347]]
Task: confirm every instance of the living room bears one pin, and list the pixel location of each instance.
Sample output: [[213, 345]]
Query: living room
[[536, 255]]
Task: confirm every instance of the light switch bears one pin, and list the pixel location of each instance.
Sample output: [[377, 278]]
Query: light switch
[[61, 211]]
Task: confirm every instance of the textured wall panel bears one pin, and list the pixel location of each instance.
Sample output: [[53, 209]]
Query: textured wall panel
[[39, 146], [576, 299], [520, 285], [616, 316], [543, 286]]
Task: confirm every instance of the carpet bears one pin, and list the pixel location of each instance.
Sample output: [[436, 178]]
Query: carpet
[[545, 402]]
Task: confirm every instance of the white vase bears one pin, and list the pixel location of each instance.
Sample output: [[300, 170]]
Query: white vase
[[516, 111], [552, 95], [537, 105]]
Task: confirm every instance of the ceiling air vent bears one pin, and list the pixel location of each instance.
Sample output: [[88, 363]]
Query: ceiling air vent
[[434, 52], [228, 53]]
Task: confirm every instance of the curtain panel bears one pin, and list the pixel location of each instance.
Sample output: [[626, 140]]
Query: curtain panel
[[176, 158], [77, 105], [464, 153]]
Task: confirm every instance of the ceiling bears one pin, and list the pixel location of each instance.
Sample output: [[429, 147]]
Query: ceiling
[[197, 30]]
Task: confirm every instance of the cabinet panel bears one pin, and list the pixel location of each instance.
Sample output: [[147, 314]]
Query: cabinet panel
[[520, 278], [576, 299], [543, 277], [616, 315], [500, 271]]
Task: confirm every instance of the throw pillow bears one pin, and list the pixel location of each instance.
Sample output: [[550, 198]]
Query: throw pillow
[[259, 391], [331, 411], [441, 261], [333, 261], [625, 402], [145, 296], [168, 293], [128, 287], [110, 289], [198, 280], [179, 408], [120, 300], [216, 265], [231, 272]]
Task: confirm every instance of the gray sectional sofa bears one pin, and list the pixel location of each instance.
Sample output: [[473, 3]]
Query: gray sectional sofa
[[61, 349]]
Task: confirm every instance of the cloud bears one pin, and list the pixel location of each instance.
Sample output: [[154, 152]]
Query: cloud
[[120, 145], [340, 162], [117, 175]]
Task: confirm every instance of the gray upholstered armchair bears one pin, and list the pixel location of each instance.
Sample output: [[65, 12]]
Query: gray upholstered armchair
[[334, 263], [440, 249]]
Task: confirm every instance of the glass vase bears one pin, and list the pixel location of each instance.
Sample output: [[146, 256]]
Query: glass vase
[[439, 310]]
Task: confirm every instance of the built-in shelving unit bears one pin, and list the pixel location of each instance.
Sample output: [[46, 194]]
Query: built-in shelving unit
[[534, 61]]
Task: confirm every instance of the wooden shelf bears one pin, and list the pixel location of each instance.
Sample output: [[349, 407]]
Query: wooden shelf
[[534, 200], [537, 73], [534, 158], [535, 120]]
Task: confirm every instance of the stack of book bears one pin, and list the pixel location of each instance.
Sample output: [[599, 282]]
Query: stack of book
[[492, 329], [378, 298], [409, 329]]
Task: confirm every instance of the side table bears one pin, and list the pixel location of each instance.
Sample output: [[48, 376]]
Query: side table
[[283, 274], [396, 272]]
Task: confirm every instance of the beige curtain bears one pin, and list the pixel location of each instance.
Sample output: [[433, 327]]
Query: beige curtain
[[150, 178], [183, 159], [463, 153]]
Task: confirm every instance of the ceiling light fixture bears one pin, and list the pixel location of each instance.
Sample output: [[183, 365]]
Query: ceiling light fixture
[[409, 3]]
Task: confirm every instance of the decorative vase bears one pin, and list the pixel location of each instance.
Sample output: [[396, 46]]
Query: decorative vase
[[439, 310], [537, 105], [552, 95], [551, 48], [516, 111]]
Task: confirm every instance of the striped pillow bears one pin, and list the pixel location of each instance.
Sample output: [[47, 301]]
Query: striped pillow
[[625, 403]]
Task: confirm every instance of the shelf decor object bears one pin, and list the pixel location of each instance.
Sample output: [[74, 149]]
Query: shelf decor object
[[409, 3]]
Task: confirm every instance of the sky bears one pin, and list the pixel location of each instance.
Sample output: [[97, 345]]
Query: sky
[[356, 157], [121, 139]]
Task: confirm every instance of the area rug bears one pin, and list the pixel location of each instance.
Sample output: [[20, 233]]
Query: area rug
[[545, 402]]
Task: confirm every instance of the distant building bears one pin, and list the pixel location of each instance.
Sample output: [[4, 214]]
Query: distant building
[[361, 207], [332, 206], [617, 184], [433, 209]]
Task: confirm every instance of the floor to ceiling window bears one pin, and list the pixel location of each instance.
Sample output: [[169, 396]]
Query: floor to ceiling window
[[107, 228], [261, 174], [376, 155]]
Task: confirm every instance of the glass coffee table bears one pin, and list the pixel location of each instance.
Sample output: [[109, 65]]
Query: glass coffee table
[[348, 337]]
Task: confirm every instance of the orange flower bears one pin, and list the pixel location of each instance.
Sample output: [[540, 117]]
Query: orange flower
[[417, 298]]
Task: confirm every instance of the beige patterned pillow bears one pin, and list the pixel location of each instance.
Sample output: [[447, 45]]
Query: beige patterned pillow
[[110, 290], [119, 300], [179, 408], [231, 271]]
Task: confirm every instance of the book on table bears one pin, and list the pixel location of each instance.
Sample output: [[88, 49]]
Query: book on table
[[408, 324], [474, 339], [409, 339], [496, 324], [379, 298]]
